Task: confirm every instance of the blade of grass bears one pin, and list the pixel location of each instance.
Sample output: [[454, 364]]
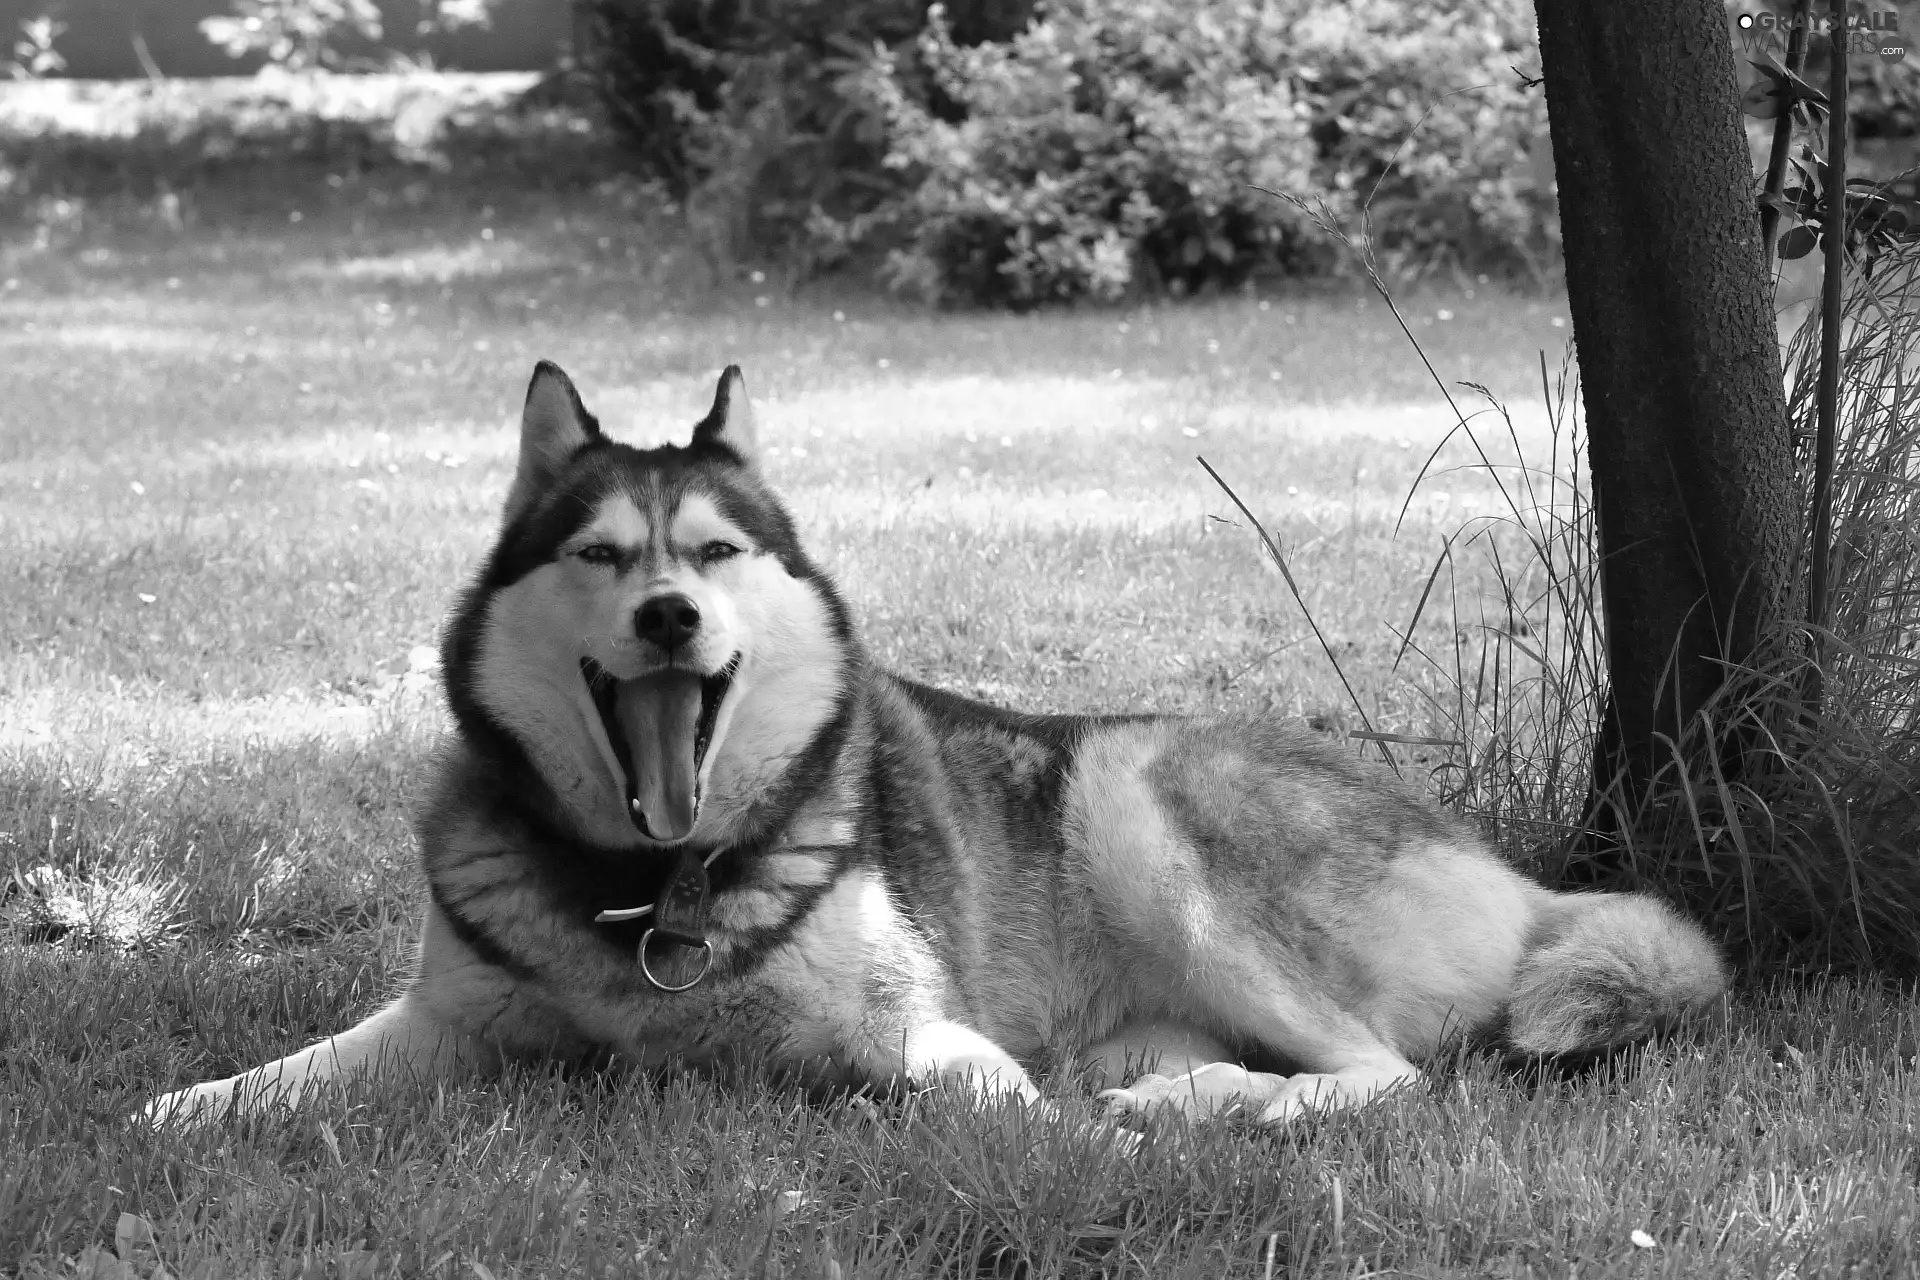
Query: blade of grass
[[1273, 549]]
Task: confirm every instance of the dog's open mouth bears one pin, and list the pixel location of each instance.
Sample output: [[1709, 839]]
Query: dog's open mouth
[[661, 727]]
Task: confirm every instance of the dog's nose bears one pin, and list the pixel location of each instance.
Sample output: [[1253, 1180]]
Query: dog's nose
[[668, 621]]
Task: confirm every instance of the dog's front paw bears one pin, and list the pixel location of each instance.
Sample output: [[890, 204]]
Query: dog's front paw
[[200, 1105]]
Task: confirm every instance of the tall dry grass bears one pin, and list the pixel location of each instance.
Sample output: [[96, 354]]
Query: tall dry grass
[[1806, 851], [1789, 812]]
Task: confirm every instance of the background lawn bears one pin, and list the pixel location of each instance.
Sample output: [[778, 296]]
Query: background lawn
[[246, 459]]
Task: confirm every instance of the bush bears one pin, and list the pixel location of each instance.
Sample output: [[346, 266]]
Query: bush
[[743, 109], [1102, 135], [1103, 147], [1117, 143], [1425, 100]]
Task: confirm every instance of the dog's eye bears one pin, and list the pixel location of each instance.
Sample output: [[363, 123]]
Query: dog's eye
[[598, 553], [714, 552]]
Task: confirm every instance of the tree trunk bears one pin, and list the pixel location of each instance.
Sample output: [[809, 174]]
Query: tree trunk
[[1692, 464]]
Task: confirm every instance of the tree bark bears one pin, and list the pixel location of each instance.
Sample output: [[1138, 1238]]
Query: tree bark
[[1692, 464]]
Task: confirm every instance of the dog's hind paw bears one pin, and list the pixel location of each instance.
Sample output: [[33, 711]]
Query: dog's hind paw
[[1219, 1089], [1226, 1091]]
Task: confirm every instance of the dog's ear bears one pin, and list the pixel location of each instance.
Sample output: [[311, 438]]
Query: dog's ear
[[729, 424], [553, 427]]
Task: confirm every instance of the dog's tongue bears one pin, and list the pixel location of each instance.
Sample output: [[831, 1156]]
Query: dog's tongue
[[660, 714]]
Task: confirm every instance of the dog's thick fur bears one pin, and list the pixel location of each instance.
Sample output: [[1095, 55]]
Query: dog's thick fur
[[910, 886]]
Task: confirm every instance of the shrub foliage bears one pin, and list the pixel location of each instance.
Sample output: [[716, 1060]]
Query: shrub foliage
[[1092, 148], [745, 109], [1114, 144]]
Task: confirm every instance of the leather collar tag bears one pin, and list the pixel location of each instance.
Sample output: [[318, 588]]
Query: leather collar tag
[[679, 921], [680, 912]]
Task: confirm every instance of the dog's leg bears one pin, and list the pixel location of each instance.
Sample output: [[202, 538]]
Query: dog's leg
[[896, 1021], [1229, 1089], [404, 1036], [459, 1014], [946, 1052], [1300, 903], [1346, 1064]]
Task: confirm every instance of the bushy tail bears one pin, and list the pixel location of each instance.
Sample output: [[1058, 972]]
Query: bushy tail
[[1602, 970]]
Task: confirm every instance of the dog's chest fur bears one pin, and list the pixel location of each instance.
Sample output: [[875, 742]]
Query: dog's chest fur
[[928, 867]]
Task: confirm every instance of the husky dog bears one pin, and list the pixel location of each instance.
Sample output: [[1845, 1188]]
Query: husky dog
[[684, 817]]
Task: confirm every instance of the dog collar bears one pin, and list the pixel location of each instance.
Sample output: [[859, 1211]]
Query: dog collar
[[679, 921]]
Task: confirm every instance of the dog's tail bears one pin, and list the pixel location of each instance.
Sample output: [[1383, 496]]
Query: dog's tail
[[1603, 970]]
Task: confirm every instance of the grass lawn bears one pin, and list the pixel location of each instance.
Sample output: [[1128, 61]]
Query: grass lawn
[[246, 459]]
